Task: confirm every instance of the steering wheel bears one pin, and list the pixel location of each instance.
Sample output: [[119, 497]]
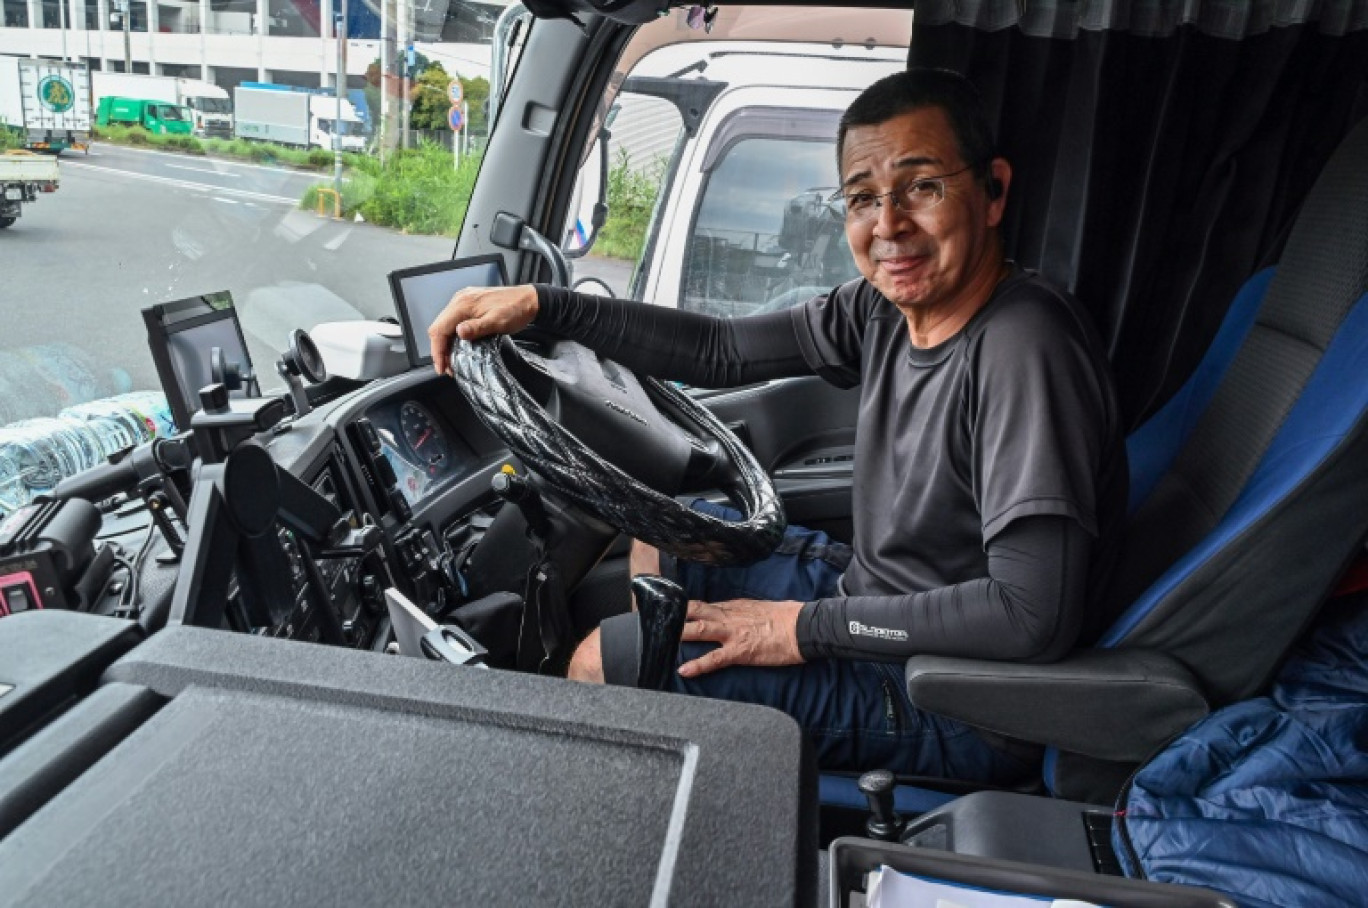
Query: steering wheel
[[643, 443]]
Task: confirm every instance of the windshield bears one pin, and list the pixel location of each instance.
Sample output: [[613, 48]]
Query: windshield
[[211, 105], [348, 127], [726, 215], [149, 218]]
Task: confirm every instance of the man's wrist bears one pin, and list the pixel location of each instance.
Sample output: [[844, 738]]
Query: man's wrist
[[540, 295], [532, 299], [807, 615]]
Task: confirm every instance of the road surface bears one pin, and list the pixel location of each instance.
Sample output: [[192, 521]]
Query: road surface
[[132, 227]]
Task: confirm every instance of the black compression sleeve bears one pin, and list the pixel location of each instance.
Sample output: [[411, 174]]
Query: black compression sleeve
[[1028, 608], [678, 346]]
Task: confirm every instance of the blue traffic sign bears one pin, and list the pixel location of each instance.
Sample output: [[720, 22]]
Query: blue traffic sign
[[454, 119]]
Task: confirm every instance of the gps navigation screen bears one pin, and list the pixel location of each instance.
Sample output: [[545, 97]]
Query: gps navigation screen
[[186, 337], [421, 293]]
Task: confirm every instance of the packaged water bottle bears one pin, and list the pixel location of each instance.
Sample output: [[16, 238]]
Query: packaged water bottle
[[125, 420], [151, 407], [109, 425], [36, 454]]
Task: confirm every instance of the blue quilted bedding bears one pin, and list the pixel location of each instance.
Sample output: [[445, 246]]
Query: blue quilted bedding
[[1267, 800]]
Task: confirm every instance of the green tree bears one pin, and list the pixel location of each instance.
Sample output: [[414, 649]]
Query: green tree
[[373, 87], [431, 103], [428, 95], [10, 137]]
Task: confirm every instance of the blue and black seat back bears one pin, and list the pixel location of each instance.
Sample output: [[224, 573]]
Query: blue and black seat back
[[1240, 529], [1152, 448]]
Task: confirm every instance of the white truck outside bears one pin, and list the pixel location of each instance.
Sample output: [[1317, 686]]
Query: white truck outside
[[741, 223], [296, 118], [46, 102], [22, 176], [211, 107]]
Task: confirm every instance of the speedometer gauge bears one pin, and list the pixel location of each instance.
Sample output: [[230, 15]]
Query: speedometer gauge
[[424, 437]]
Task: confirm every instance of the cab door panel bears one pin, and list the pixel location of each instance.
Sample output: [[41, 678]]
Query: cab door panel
[[802, 430]]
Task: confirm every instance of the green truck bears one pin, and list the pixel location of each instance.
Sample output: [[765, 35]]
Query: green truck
[[155, 116]]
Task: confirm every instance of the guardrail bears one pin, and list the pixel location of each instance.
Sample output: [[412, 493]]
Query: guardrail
[[336, 200]]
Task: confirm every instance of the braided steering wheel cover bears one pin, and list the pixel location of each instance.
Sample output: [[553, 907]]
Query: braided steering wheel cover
[[606, 492]]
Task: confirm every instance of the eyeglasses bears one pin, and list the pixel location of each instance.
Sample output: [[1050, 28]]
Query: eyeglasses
[[918, 195]]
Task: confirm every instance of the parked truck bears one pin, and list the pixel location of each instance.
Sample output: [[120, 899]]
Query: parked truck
[[210, 106], [45, 103], [300, 118], [157, 117], [23, 175]]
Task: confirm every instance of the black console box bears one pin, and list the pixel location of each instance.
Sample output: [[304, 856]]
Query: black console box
[[852, 859], [249, 771]]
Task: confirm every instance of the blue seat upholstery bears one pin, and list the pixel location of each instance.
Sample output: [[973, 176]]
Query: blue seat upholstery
[[1152, 447]]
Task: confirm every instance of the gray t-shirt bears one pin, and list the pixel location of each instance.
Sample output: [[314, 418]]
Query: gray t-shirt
[[1014, 416]]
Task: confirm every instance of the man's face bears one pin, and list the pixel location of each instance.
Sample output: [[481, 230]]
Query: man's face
[[924, 258]]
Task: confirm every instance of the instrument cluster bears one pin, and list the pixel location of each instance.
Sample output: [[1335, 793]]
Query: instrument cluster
[[424, 452]]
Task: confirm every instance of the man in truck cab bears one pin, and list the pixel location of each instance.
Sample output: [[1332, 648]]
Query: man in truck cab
[[990, 474]]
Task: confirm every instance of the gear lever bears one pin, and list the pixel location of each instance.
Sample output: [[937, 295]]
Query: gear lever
[[885, 825], [661, 608], [640, 648]]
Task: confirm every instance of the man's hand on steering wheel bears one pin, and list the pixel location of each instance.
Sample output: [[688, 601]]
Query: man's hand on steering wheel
[[480, 312], [659, 442]]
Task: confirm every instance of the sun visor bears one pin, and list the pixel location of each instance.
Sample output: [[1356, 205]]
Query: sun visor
[[633, 12]]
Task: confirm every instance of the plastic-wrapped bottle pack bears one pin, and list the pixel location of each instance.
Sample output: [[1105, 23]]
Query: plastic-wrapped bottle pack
[[36, 454]]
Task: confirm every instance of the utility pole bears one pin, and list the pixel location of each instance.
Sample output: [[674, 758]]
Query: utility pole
[[383, 127], [126, 13], [206, 14], [62, 23], [406, 66], [341, 29]]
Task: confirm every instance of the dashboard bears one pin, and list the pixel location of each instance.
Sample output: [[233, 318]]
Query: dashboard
[[339, 579], [406, 465], [399, 484], [405, 457]]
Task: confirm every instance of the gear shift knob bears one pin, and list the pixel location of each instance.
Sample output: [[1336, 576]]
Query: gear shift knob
[[661, 608], [884, 825]]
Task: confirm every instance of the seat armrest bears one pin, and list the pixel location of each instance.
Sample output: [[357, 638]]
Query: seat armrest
[[1112, 704]]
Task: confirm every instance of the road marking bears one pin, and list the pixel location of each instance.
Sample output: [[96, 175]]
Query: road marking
[[229, 161], [227, 201], [186, 184], [217, 173]]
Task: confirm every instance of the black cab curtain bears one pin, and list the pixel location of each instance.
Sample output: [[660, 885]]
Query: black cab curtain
[[1160, 149]]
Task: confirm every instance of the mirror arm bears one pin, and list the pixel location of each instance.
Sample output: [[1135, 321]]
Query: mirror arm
[[600, 215]]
